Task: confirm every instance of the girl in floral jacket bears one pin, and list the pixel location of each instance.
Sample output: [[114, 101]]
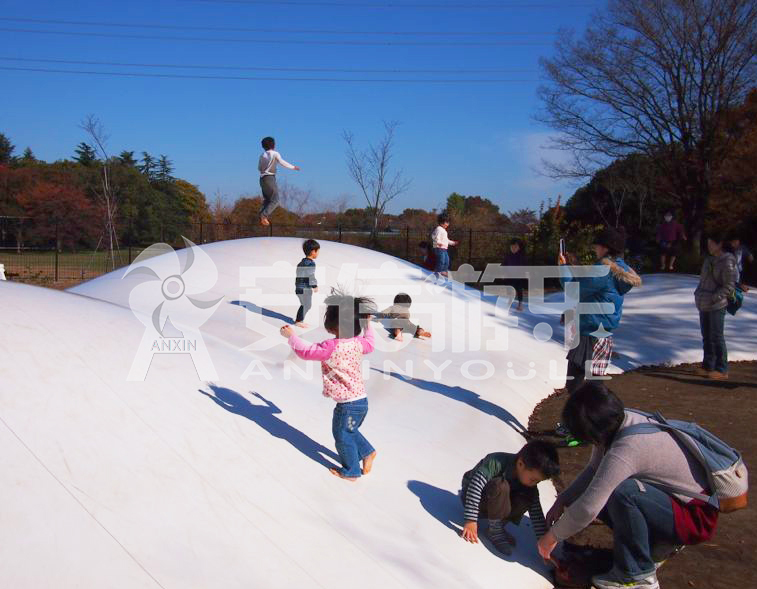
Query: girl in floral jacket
[[341, 361]]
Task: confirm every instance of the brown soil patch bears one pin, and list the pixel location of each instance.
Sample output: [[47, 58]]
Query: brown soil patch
[[729, 410]]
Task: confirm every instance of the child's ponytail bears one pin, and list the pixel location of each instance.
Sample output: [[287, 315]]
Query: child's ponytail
[[347, 315]]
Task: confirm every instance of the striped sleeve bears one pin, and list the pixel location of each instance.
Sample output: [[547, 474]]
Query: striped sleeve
[[538, 523], [473, 496]]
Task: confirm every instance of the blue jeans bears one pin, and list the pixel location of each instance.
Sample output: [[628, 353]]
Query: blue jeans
[[351, 445], [639, 519], [442, 260], [713, 340]]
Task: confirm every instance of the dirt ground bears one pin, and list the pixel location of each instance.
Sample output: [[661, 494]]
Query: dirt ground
[[729, 410]]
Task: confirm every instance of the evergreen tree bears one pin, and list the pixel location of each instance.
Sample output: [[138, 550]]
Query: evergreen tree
[[165, 169], [28, 157], [85, 154], [127, 158], [6, 150], [148, 165]]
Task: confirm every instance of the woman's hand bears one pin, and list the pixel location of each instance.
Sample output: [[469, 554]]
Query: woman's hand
[[555, 512], [546, 545], [286, 331]]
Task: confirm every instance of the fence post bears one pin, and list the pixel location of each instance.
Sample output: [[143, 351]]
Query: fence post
[[407, 242], [270, 230], [131, 233], [201, 233], [56, 250], [340, 233], [470, 245]]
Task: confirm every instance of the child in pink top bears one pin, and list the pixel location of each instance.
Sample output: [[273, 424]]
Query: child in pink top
[[341, 361]]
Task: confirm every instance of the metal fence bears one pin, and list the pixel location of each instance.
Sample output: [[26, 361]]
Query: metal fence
[[55, 260]]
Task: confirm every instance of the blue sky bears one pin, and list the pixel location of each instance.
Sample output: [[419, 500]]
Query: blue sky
[[472, 138]]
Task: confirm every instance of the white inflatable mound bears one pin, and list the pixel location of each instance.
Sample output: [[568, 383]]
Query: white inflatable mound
[[182, 482]]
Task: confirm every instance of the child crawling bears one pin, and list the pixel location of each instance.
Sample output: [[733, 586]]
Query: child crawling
[[396, 319], [341, 361], [502, 487]]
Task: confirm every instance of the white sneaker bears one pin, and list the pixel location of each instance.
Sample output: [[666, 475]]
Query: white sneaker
[[611, 581]]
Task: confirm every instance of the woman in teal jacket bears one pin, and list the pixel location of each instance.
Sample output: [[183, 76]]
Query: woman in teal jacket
[[590, 334]]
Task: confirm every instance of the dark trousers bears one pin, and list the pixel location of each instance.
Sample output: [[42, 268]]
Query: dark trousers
[[306, 301], [518, 284], [501, 502], [713, 340], [270, 195], [641, 517], [579, 376]]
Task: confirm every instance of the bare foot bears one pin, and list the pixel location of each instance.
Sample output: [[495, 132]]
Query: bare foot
[[336, 473], [264, 221], [368, 462], [398, 335], [422, 333], [301, 325]]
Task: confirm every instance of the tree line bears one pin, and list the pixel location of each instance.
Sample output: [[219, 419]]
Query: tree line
[[64, 199]]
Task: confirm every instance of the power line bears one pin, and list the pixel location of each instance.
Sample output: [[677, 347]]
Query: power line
[[402, 6], [280, 41], [269, 30], [267, 78], [269, 69]]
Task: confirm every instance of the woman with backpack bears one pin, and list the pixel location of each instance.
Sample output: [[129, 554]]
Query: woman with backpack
[[628, 483], [717, 283]]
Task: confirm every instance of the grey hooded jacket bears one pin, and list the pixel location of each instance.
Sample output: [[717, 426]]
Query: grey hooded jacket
[[716, 282]]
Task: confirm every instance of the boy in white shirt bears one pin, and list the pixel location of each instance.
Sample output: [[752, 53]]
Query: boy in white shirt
[[440, 242], [267, 168]]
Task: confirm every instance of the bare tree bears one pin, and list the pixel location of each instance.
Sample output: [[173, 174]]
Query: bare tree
[[615, 190], [295, 199], [370, 169], [338, 204], [107, 198], [652, 77]]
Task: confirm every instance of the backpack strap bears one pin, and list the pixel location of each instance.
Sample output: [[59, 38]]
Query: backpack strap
[[661, 424]]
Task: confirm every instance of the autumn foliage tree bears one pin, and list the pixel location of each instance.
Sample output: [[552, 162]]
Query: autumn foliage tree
[[61, 214], [734, 200]]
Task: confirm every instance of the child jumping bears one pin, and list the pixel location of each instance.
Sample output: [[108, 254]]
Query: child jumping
[[267, 168], [305, 283], [440, 241], [396, 319], [341, 367], [502, 487]]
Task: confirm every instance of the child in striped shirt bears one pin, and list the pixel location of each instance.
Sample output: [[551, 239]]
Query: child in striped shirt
[[502, 487]]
